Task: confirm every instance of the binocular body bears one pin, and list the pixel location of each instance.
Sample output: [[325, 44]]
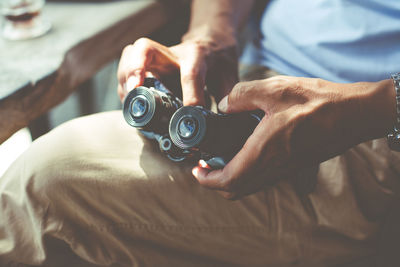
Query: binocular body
[[216, 137], [187, 132], [149, 108]]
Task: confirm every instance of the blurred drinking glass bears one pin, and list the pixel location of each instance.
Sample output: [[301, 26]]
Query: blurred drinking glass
[[22, 19]]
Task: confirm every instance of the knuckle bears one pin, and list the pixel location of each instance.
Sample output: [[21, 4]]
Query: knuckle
[[278, 81], [143, 42], [198, 47], [186, 79], [277, 85], [227, 185], [127, 49], [190, 74], [121, 77], [280, 87], [191, 101], [238, 91], [143, 47], [319, 82]]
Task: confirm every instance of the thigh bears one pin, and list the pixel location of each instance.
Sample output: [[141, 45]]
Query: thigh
[[107, 195], [358, 195], [98, 187], [110, 197]]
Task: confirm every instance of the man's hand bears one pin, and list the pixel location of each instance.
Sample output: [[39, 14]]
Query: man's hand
[[207, 54], [306, 121], [195, 60]]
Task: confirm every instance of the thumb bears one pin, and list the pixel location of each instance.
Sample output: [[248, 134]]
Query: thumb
[[242, 98]]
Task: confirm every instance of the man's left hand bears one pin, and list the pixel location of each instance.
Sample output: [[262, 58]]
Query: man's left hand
[[306, 121]]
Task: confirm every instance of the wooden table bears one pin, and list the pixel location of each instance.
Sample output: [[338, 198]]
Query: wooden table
[[37, 74]]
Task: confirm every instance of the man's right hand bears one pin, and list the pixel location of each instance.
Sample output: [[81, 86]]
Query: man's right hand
[[197, 60]]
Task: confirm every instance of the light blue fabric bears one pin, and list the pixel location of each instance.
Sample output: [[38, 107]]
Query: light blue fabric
[[337, 40]]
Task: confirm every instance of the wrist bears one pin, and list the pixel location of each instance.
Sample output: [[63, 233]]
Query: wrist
[[378, 109], [362, 111], [208, 36]]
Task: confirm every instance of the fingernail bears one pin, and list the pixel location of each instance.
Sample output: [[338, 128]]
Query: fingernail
[[131, 83], [195, 171], [223, 104], [203, 164]]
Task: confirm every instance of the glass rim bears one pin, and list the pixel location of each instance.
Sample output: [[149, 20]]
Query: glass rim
[[6, 8]]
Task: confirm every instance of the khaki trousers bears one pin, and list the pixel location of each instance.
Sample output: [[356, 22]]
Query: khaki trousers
[[93, 192]]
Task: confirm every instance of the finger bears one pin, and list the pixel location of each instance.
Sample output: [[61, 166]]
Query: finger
[[224, 76], [121, 93], [251, 152], [231, 177], [193, 75], [243, 97], [201, 174], [232, 193], [144, 56], [130, 84], [227, 191]]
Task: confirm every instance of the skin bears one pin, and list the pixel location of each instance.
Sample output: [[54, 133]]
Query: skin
[[307, 120], [206, 55]]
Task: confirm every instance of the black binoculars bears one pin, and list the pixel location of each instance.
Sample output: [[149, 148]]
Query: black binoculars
[[187, 132], [149, 108]]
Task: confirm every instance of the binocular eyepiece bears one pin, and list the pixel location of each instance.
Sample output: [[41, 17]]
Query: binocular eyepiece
[[186, 132], [150, 107]]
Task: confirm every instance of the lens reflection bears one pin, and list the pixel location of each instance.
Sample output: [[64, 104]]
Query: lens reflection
[[139, 106], [187, 127]]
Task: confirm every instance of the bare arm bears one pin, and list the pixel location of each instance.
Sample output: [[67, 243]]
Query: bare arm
[[222, 17], [207, 53]]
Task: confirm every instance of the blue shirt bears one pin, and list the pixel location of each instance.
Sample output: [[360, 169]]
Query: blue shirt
[[337, 40]]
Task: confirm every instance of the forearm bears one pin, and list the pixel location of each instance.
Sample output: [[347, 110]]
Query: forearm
[[207, 53], [348, 114], [217, 19]]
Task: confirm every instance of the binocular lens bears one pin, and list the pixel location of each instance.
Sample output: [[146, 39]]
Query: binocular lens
[[187, 127], [139, 107]]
